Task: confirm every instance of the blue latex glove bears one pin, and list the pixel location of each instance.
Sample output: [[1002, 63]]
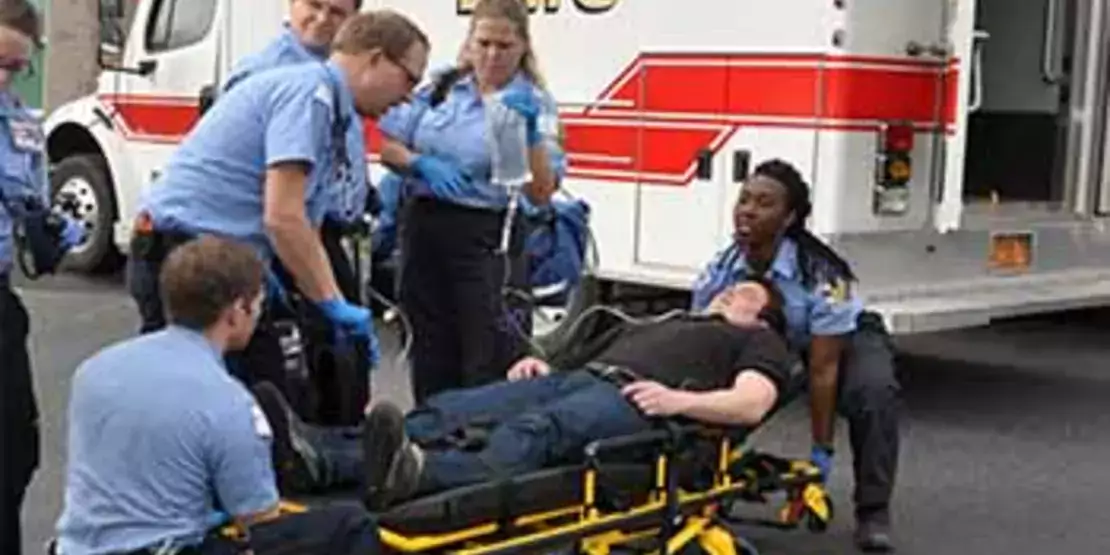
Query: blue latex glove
[[373, 348], [216, 519], [73, 233], [352, 322], [822, 458], [443, 177], [524, 103]]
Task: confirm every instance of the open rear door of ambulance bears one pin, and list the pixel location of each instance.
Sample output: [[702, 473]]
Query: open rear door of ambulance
[[960, 92]]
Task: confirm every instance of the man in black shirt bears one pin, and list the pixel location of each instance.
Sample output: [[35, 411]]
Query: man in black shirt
[[725, 366]]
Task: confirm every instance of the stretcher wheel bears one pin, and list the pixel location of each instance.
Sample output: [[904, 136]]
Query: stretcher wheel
[[818, 508], [719, 541]]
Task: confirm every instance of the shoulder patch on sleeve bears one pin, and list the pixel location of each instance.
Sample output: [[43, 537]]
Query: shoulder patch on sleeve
[[324, 94], [260, 423], [836, 290]]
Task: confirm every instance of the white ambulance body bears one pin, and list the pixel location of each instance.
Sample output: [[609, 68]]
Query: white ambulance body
[[957, 150]]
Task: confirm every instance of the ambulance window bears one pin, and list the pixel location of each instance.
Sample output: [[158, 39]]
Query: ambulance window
[[178, 23]]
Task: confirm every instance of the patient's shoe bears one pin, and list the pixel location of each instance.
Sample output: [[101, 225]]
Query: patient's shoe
[[295, 460], [393, 463], [873, 533]]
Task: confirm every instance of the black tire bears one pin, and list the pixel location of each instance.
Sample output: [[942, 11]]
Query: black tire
[[76, 183]]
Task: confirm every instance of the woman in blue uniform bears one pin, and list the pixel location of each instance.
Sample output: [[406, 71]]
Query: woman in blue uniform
[[452, 274], [23, 196], [849, 355]]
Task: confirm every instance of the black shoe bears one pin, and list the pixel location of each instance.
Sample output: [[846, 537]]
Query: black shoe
[[294, 458], [873, 534], [393, 463]]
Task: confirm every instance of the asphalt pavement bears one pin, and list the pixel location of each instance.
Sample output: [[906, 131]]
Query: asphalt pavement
[[1006, 445]]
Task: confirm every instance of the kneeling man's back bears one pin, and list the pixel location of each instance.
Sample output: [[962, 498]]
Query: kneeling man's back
[[161, 437]]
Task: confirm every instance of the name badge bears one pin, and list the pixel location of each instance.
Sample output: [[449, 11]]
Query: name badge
[[26, 135]]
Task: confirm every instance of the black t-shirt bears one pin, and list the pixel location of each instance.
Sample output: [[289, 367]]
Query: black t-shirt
[[699, 353]]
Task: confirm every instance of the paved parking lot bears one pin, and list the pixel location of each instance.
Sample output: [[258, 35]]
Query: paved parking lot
[[1006, 444]]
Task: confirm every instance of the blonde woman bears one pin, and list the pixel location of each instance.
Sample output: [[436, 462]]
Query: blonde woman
[[465, 332]]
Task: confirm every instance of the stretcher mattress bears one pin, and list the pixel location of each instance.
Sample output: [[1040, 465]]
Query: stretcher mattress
[[516, 496]]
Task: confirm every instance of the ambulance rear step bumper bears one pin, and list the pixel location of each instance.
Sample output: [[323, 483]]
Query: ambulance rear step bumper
[[954, 305]]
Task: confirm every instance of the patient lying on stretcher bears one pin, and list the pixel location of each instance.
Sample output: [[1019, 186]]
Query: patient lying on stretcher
[[725, 366]]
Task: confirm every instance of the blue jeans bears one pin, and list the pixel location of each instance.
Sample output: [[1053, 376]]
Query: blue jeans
[[536, 423], [340, 450]]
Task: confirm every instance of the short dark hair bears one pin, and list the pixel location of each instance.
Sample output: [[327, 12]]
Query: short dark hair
[[385, 29], [206, 276], [773, 314], [810, 249], [21, 16]]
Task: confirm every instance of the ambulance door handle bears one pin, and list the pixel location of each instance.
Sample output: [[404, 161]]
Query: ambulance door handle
[[977, 70], [1049, 49], [741, 164], [705, 164]]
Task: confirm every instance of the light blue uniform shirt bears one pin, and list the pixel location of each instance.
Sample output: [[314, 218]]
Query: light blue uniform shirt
[[285, 50], [22, 170], [161, 437], [348, 194], [455, 131], [826, 308], [215, 181]]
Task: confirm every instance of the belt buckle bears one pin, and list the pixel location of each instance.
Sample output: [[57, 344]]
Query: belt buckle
[[614, 373], [144, 224]]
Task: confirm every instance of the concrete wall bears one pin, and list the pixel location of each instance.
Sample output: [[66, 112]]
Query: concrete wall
[[73, 37]]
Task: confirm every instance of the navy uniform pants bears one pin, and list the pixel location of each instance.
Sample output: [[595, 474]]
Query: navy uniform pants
[[336, 394], [466, 330], [19, 433], [869, 398], [533, 423], [335, 529]]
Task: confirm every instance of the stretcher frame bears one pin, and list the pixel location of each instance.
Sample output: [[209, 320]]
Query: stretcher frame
[[668, 520]]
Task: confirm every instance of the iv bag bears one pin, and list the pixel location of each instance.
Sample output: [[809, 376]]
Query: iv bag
[[508, 144]]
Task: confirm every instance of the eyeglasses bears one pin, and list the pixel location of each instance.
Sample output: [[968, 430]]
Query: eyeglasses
[[412, 77]]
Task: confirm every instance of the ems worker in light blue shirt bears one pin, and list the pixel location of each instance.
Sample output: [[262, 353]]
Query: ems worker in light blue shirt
[[850, 359], [307, 38], [259, 167], [164, 446], [23, 203], [452, 273]]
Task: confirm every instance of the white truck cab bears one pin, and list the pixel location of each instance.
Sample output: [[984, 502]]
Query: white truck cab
[[958, 151]]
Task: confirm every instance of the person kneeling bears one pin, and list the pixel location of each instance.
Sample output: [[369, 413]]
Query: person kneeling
[[724, 366], [165, 446]]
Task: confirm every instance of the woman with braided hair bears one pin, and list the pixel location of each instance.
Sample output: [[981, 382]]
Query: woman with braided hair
[[848, 351]]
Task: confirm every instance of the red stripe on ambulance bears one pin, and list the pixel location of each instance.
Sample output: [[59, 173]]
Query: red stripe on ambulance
[[663, 108]]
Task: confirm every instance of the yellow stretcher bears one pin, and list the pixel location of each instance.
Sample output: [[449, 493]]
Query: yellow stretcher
[[669, 490]]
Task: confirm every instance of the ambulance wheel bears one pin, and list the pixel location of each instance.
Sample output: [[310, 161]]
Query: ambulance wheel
[[81, 188]]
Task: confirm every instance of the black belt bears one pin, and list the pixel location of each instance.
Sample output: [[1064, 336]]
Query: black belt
[[615, 374]]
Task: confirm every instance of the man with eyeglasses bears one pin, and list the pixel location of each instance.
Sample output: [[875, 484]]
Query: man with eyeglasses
[[259, 168], [306, 38]]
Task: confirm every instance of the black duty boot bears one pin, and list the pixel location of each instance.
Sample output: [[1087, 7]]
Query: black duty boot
[[296, 462], [873, 532], [393, 463]]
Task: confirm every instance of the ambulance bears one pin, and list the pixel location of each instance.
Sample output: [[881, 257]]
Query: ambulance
[[957, 149]]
